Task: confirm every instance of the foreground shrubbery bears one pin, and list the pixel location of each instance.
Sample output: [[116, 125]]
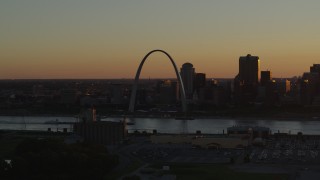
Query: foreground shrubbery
[[52, 159]]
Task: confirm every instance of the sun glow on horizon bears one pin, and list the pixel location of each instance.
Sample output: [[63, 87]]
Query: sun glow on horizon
[[108, 39]]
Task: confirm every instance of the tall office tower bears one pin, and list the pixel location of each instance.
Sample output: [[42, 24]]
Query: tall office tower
[[311, 80], [315, 68], [200, 81], [249, 67], [265, 77], [247, 81], [283, 86], [167, 92], [314, 79], [187, 74]]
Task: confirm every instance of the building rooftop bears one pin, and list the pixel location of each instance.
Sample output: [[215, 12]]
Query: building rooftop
[[187, 65]]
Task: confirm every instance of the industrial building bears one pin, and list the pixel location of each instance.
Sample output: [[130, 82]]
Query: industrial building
[[101, 132]]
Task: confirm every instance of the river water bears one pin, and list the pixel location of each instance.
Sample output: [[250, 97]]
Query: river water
[[165, 125]]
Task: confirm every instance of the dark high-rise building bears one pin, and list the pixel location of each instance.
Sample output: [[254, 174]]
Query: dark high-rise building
[[304, 92], [309, 87], [265, 77], [249, 69], [200, 81], [167, 92], [272, 94], [187, 74], [315, 68], [283, 86], [247, 81]]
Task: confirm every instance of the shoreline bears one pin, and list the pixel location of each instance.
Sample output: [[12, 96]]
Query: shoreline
[[249, 118]]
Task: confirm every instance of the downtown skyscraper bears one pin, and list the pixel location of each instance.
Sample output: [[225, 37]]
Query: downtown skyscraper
[[247, 81], [187, 74], [249, 69]]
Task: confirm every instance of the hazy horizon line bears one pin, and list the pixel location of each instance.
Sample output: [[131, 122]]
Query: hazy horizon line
[[168, 78]]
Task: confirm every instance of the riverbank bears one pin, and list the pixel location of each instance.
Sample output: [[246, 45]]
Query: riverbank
[[283, 117], [280, 118], [241, 113]]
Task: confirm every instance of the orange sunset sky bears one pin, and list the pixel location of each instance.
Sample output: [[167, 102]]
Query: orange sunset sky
[[107, 39]]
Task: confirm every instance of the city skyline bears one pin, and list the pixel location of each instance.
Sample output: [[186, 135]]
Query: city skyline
[[106, 40]]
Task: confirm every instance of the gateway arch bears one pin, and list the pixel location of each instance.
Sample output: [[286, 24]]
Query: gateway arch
[[135, 85]]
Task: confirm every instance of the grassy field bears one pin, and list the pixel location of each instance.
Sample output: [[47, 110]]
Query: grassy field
[[217, 172], [8, 146], [9, 140]]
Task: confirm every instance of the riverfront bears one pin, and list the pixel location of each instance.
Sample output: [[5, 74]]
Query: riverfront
[[167, 125]]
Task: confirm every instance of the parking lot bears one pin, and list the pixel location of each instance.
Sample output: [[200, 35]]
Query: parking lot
[[283, 150], [292, 150], [184, 153]]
